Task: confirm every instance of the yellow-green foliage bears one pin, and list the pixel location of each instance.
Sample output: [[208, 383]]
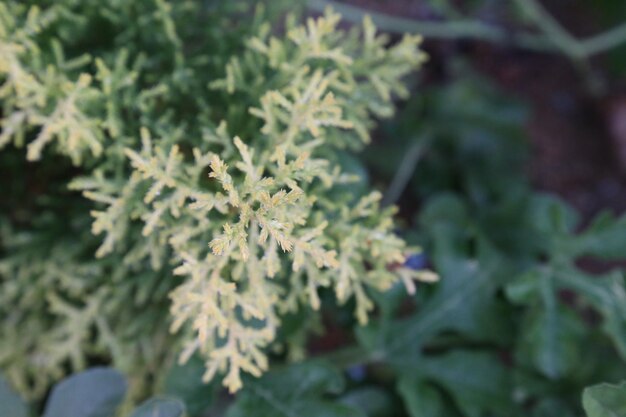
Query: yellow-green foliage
[[218, 163]]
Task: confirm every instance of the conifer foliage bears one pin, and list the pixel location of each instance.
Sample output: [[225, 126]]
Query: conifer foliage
[[207, 195]]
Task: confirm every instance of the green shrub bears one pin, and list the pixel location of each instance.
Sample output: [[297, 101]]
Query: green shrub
[[209, 146]]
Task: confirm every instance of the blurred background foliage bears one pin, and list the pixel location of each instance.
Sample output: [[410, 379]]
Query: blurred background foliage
[[519, 217]]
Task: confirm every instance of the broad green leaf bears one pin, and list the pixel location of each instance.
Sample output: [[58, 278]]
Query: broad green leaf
[[608, 296], [446, 208], [420, 398], [524, 289], [11, 404], [389, 301], [160, 407], [604, 239], [550, 337], [372, 401], [96, 392], [296, 391], [185, 382], [605, 400], [478, 381], [553, 407], [552, 216], [461, 303], [475, 102], [446, 220]]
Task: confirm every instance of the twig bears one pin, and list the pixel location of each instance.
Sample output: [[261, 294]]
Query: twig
[[551, 28], [575, 48], [554, 38], [404, 172], [469, 29], [578, 51], [605, 41]]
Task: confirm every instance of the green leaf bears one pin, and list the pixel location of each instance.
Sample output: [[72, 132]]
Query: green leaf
[[446, 220], [185, 382], [160, 407], [96, 392], [477, 381], [372, 401], [552, 216], [605, 400], [297, 391], [11, 404], [551, 337], [604, 239], [553, 407], [463, 302], [608, 295], [524, 288], [420, 398]]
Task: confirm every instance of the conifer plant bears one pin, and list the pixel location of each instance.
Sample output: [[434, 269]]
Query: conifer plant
[[174, 183]]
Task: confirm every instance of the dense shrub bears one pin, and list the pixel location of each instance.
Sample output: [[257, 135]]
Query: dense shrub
[[209, 161]]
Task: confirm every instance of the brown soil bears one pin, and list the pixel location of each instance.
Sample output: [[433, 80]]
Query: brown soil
[[572, 151]]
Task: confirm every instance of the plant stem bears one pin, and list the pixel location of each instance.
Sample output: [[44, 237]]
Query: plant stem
[[605, 41], [554, 32], [554, 38], [404, 172], [578, 51], [468, 29]]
